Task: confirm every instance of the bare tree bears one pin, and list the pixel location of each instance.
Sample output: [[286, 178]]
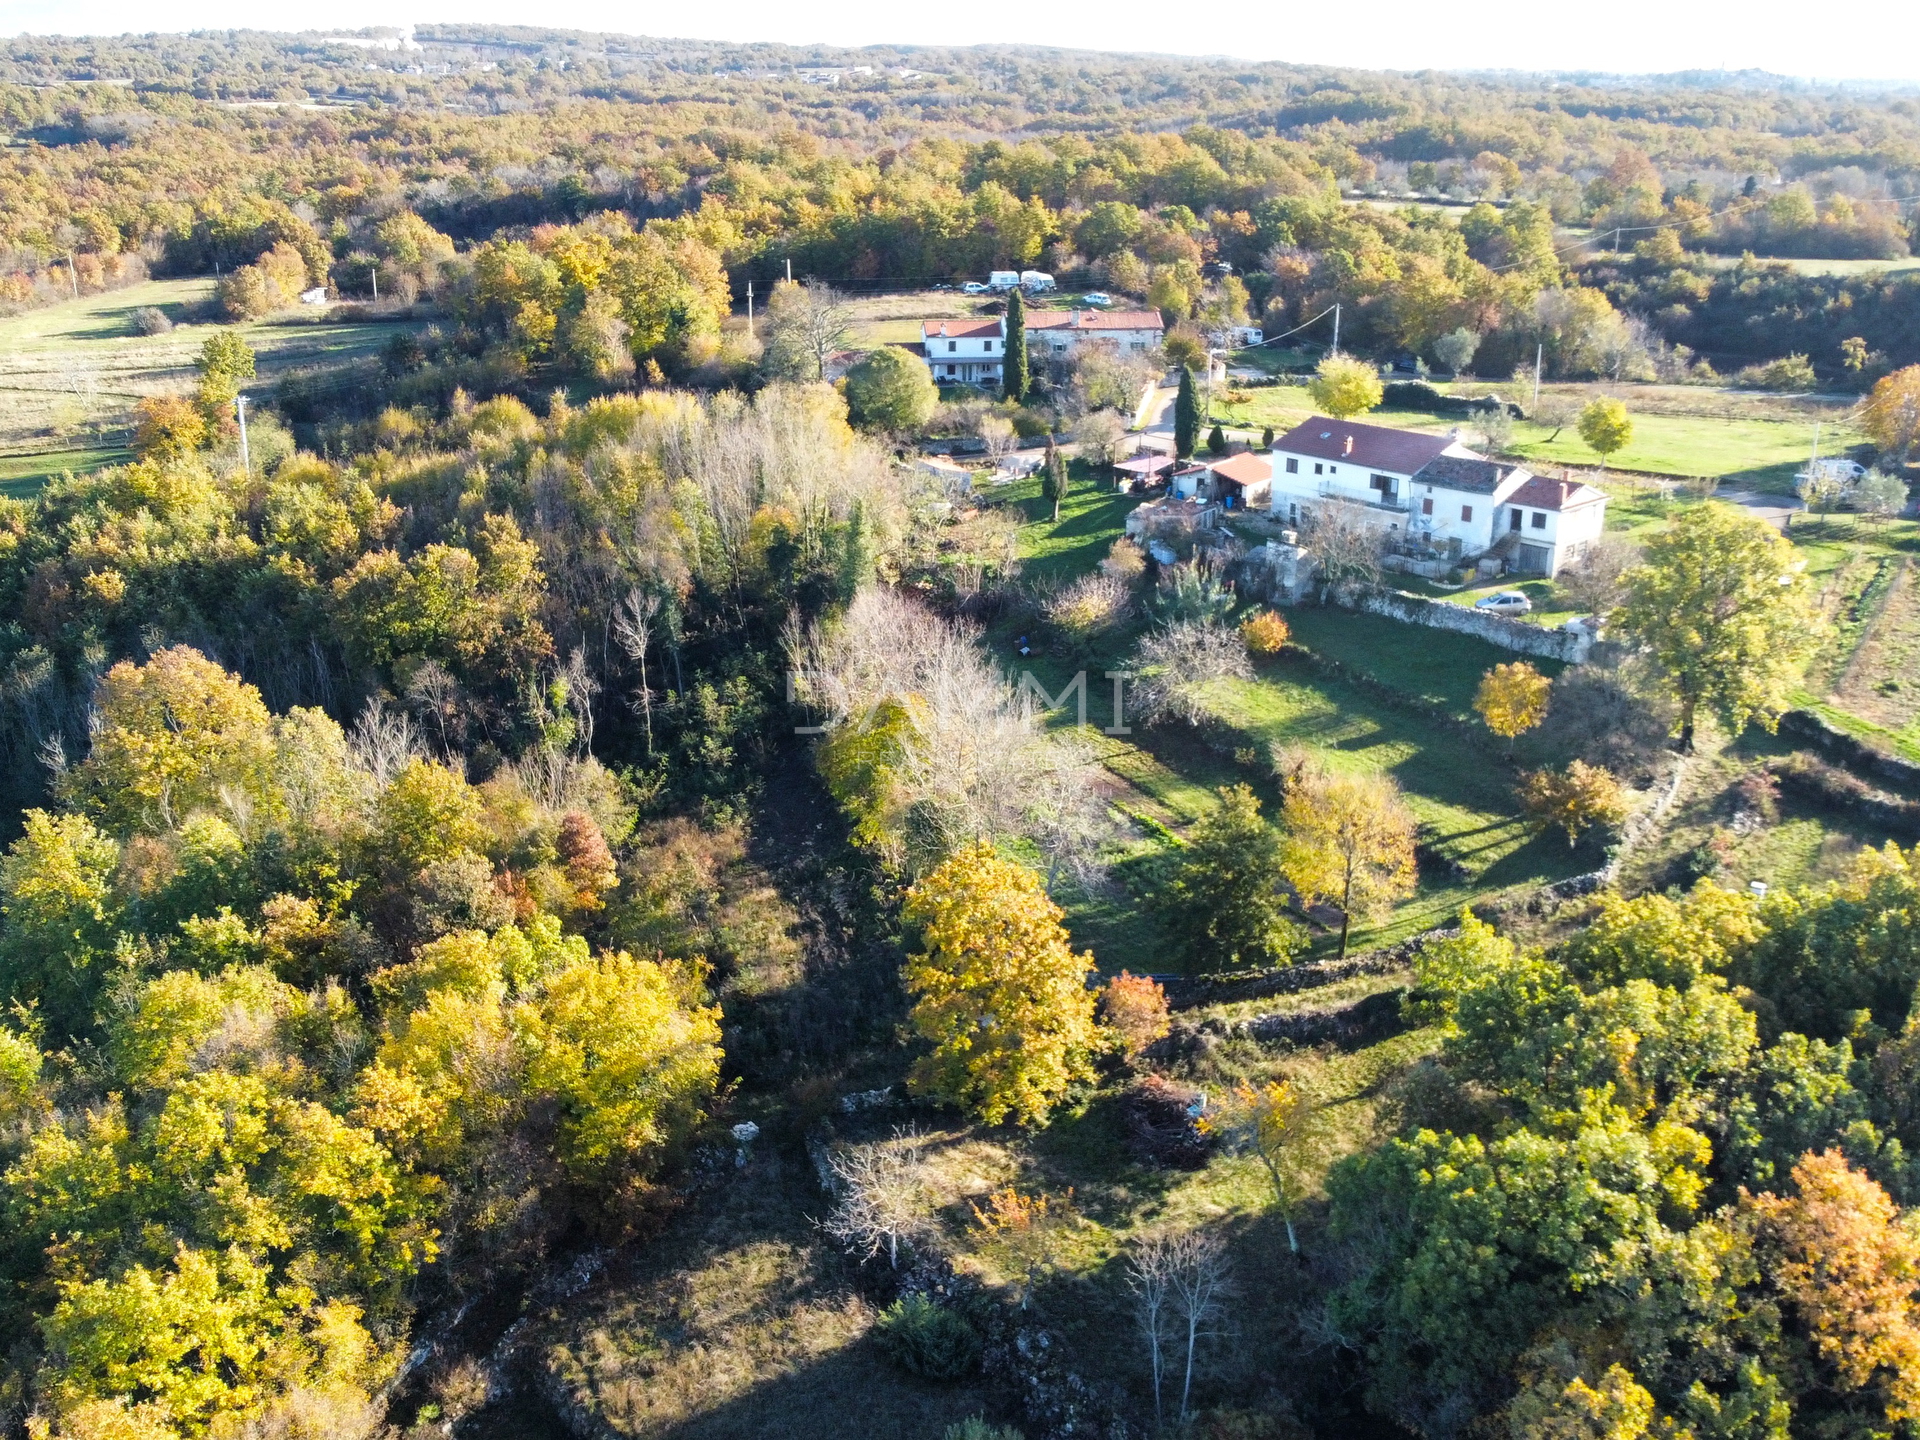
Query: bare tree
[[882, 1198], [1175, 664], [1149, 1276], [1594, 583], [1337, 534], [383, 741], [806, 325], [633, 629], [434, 690], [1198, 1282], [1179, 1281], [1102, 436]]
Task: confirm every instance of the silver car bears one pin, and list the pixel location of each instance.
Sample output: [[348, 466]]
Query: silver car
[[1507, 602]]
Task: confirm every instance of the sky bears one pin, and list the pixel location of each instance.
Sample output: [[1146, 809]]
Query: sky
[[1629, 36]]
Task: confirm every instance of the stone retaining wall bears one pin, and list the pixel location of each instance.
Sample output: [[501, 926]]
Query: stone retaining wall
[[1566, 645], [1807, 727]]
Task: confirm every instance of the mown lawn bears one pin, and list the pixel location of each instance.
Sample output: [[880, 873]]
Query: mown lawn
[[1762, 454]]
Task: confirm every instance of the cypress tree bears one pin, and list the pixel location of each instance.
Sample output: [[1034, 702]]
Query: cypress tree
[[1186, 417], [1056, 481], [1013, 368], [1217, 441]]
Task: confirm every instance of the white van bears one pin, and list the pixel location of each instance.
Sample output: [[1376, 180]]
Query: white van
[[1003, 280]]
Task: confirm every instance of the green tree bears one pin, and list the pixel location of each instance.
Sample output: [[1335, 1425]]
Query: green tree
[[1013, 368], [1220, 903], [1606, 427], [890, 390], [1722, 606], [1216, 441], [1054, 481], [1186, 416], [997, 989], [1344, 387]]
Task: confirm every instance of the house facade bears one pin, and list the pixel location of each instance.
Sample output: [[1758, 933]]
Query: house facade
[[1062, 333], [1433, 495], [964, 352]]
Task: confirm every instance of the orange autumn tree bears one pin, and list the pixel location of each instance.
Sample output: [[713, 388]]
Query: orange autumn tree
[[1841, 1256]]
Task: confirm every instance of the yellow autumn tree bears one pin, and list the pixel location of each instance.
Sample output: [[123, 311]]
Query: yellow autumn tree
[[998, 990], [1349, 840], [1276, 1124], [1344, 387], [1512, 699], [173, 735]]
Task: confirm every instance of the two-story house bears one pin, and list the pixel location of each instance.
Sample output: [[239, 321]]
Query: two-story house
[[964, 352], [1435, 494], [1062, 333]]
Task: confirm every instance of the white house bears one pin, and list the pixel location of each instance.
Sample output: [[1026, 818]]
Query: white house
[[964, 352], [1433, 494], [1062, 333]]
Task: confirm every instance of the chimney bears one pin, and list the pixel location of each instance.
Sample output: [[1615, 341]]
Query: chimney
[[1349, 449]]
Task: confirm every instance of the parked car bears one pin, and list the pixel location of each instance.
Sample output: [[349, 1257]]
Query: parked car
[[1507, 602], [974, 287], [1834, 467], [1098, 297]]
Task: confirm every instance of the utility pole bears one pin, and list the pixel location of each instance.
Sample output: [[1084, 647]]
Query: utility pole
[[789, 270], [1336, 327], [749, 310], [73, 275], [246, 460], [1539, 351], [375, 272]]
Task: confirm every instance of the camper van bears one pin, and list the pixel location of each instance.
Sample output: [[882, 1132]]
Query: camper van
[[1035, 282], [1003, 280]]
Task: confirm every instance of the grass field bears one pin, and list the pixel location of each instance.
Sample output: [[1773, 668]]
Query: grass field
[[1681, 431], [71, 374], [1457, 782]]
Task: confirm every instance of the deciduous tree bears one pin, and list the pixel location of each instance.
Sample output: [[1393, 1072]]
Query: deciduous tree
[[997, 990], [1512, 699], [1606, 427], [888, 389], [1343, 387], [1349, 840], [1891, 412], [1580, 798], [1721, 606]]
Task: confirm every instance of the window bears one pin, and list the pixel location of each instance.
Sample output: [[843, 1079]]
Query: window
[[952, 345], [1466, 512], [1293, 513], [1426, 507], [1539, 519], [1318, 467], [1293, 466]]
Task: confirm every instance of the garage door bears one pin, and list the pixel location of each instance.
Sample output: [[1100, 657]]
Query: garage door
[[1533, 560]]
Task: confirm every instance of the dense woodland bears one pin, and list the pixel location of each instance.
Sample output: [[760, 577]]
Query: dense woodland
[[387, 919]]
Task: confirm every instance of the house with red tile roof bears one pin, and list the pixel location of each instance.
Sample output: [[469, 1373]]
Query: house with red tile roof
[[964, 352], [1431, 493], [1063, 333]]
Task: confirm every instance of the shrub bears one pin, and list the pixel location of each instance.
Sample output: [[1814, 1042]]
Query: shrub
[[1266, 634], [1789, 372], [1135, 1007], [1576, 799], [974, 1427], [928, 1339], [151, 320], [1089, 606]]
